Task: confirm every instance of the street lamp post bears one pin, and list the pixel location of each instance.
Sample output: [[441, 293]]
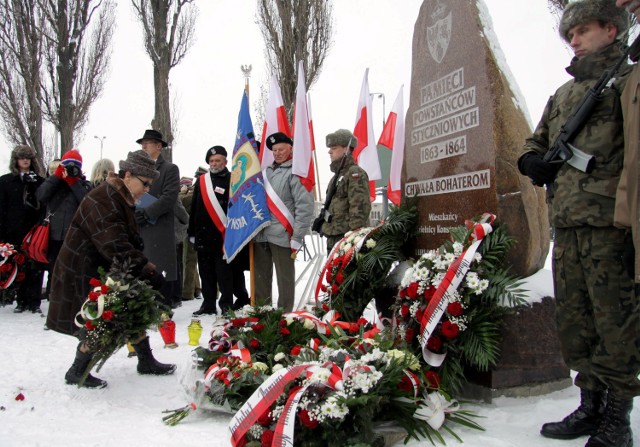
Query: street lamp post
[[101, 142], [381, 95]]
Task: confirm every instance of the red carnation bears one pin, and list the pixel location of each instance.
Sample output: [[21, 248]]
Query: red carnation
[[19, 258], [295, 350], [20, 277], [95, 282], [404, 310], [450, 330], [93, 296], [429, 292], [258, 327], [107, 315], [412, 290], [340, 278], [334, 289], [434, 343], [89, 325], [266, 439], [265, 418], [323, 288], [307, 421], [406, 384], [433, 379], [328, 276], [284, 331], [253, 343], [454, 309]]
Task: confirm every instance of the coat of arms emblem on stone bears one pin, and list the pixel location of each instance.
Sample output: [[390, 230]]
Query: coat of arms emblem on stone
[[439, 34]]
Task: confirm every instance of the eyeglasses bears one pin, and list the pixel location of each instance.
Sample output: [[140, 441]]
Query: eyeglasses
[[144, 184]]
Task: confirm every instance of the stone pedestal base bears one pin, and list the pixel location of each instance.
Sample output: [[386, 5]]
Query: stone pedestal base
[[530, 362]]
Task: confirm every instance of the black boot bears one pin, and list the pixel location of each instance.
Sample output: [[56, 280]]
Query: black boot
[[147, 364], [615, 429], [79, 366], [584, 421]]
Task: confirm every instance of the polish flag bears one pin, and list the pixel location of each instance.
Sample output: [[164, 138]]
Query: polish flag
[[275, 121], [366, 154], [302, 141], [393, 138]]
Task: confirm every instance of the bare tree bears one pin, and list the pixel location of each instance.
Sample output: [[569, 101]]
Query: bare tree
[[77, 36], [168, 28], [295, 30], [20, 64]]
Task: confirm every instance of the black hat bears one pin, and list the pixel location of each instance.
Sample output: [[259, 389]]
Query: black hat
[[215, 150], [276, 138], [151, 134]]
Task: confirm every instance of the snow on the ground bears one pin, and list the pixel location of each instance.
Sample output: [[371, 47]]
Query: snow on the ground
[[128, 412]]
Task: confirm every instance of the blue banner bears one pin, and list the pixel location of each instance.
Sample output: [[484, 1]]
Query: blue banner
[[247, 213]]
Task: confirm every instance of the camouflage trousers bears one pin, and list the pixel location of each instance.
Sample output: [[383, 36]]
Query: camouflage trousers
[[332, 240], [597, 309]]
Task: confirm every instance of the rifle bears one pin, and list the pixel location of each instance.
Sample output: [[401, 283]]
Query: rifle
[[324, 215], [562, 150]]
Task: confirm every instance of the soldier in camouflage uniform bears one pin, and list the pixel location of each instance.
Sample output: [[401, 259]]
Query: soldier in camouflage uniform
[[596, 307], [350, 207]]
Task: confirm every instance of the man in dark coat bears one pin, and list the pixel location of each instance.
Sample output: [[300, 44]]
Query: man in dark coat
[[159, 236], [19, 212], [207, 221], [103, 228]]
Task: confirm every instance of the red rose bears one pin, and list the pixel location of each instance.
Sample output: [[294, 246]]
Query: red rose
[[93, 296], [454, 309], [340, 278], [404, 310], [89, 325], [266, 439], [328, 276], [20, 277], [265, 418], [105, 289], [434, 343], [95, 282], [323, 287], [107, 315], [238, 322], [428, 293], [258, 327], [408, 336], [253, 343], [334, 289], [295, 350], [307, 421], [433, 379], [19, 258], [284, 331], [450, 330], [412, 290]]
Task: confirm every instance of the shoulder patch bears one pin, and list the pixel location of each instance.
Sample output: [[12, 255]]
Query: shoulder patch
[[355, 175]]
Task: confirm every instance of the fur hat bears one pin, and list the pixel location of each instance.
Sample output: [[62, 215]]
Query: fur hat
[[583, 11], [215, 150], [139, 163], [276, 138], [72, 157], [342, 137], [151, 134], [185, 181], [18, 152]]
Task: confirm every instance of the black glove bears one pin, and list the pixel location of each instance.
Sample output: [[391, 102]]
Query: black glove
[[629, 255], [539, 171], [317, 225], [141, 217], [155, 278]]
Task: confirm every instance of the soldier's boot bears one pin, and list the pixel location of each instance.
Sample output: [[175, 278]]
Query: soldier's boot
[[147, 364], [585, 420], [78, 368], [615, 429]]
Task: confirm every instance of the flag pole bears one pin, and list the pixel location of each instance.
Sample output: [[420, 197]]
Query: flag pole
[[246, 72]]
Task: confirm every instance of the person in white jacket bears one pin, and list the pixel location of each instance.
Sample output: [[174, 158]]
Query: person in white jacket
[[291, 212]]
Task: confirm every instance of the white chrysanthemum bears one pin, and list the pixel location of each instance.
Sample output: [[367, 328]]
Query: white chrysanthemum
[[429, 255], [374, 355], [472, 280], [333, 409], [365, 380], [484, 284], [457, 248], [449, 257], [320, 375], [440, 263], [370, 243]]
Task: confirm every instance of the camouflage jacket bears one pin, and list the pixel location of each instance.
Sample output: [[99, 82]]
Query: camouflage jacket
[[586, 199], [350, 206]]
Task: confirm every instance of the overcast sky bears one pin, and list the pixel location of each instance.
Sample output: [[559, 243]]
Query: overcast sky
[[207, 85]]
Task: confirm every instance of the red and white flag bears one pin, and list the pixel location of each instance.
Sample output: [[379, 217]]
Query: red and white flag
[[393, 138], [302, 142], [366, 154], [275, 121]]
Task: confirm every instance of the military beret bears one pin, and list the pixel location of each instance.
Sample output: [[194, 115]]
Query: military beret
[[215, 150], [342, 137], [276, 138]]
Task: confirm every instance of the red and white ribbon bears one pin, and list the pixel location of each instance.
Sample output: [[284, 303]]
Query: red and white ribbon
[[212, 204], [277, 206]]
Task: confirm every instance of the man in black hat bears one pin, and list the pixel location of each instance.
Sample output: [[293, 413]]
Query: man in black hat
[[158, 234], [207, 221]]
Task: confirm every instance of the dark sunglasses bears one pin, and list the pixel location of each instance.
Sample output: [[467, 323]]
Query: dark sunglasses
[[145, 184]]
